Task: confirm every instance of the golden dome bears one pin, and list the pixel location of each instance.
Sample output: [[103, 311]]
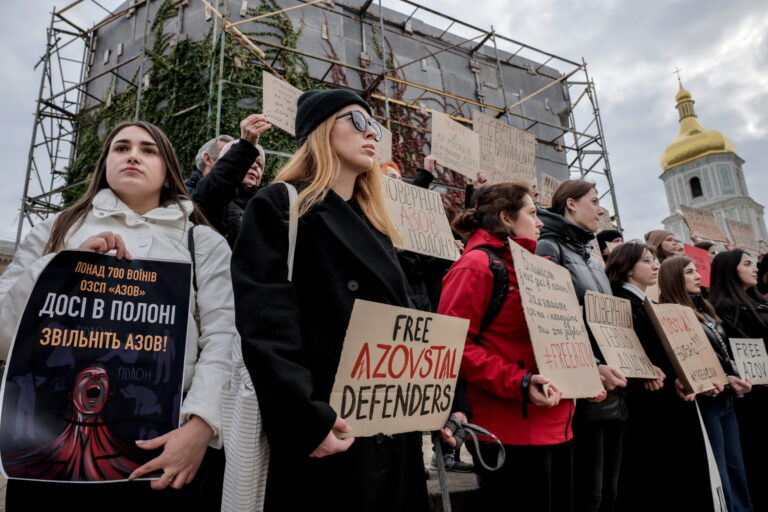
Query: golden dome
[[694, 140]]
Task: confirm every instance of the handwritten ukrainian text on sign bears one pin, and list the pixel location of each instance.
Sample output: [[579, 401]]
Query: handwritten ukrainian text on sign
[[547, 187], [701, 260], [97, 363], [559, 337], [695, 361], [702, 224], [419, 217], [742, 236], [506, 153], [280, 100], [398, 369], [751, 359], [610, 320], [455, 146], [384, 146]]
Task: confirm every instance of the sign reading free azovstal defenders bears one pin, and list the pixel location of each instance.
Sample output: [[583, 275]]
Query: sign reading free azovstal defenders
[[398, 369]]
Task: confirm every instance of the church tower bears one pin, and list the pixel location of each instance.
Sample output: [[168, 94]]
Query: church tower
[[701, 169]]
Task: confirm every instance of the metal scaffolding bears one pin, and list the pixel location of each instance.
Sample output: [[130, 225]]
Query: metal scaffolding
[[70, 50]]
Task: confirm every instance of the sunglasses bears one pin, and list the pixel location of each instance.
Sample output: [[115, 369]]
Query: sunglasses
[[361, 123]]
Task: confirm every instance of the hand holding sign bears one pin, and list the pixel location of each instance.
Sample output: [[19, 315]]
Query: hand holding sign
[[107, 241], [336, 441], [253, 126]]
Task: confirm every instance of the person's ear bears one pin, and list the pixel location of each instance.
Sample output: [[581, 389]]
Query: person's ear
[[207, 159], [569, 204]]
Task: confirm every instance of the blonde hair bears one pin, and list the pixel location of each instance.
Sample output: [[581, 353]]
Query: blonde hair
[[316, 164]]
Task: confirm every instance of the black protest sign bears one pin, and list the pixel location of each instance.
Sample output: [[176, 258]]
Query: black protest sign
[[398, 369], [97, 363]]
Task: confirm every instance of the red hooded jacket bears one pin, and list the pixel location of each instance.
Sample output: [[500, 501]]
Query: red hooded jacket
[[494, 368]]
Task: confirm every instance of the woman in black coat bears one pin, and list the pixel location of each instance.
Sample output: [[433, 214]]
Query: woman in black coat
[[661, 426], [598, 428], [744, 313], [292, 331], [680, 283]]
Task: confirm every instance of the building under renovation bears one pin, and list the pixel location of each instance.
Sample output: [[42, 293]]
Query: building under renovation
[[193, 67]]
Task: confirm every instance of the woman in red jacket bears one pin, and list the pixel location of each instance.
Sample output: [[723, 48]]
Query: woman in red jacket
[[506, 393]]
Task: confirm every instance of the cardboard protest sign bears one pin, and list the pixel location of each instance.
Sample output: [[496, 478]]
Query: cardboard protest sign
[[398, 369], [751, 359], [605, 221], [97, 363], [742, 236], [384, 146], [701, 260], [702, 224], [419, 217], [455, 146], [610, 320], [506, 153], [559, 337], [547, 187], [280, 100], [695, 361]]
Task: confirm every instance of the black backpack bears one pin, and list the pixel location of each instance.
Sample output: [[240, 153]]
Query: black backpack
[[500, 287]]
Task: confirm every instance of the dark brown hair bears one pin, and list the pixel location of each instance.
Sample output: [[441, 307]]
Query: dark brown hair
[[489, 202], [727, 288], [174, 193], [672, 286], [622, 260], [568, 189]]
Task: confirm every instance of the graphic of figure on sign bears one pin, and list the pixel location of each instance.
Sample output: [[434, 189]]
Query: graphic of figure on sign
[[86, 450]]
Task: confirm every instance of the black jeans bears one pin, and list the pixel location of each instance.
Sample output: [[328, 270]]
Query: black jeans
[[597, 460], [535, 478]]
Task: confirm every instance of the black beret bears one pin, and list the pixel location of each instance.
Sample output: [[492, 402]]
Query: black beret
[[315, 106]]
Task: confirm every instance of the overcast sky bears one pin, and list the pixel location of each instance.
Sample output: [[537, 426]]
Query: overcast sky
[[631, 48]]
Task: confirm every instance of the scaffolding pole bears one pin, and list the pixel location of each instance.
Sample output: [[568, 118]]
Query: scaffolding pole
[[57, 115]]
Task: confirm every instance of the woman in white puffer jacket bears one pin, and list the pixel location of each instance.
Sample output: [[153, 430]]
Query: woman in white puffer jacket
[[137, 206]]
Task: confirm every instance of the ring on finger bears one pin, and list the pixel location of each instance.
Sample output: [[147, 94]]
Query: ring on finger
[[169, 476]]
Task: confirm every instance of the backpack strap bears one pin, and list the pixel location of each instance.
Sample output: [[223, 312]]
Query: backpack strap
[[191, 248], [500, 288], [293, 227]]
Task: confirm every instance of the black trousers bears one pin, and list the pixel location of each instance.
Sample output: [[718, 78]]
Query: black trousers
[[202, 494], [377, 474], [535, 478], [597, 462]]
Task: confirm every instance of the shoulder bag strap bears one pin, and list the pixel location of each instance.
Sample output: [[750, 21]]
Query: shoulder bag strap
[[293, 227]]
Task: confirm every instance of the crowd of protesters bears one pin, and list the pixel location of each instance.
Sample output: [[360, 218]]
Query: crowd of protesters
[[278, 268]]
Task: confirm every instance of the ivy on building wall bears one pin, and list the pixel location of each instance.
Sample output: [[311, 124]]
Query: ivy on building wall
[[180, 94], [178, 97]]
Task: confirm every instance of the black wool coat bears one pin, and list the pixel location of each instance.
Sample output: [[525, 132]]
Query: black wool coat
[[220, 194], [661, 429], [292, 335]]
